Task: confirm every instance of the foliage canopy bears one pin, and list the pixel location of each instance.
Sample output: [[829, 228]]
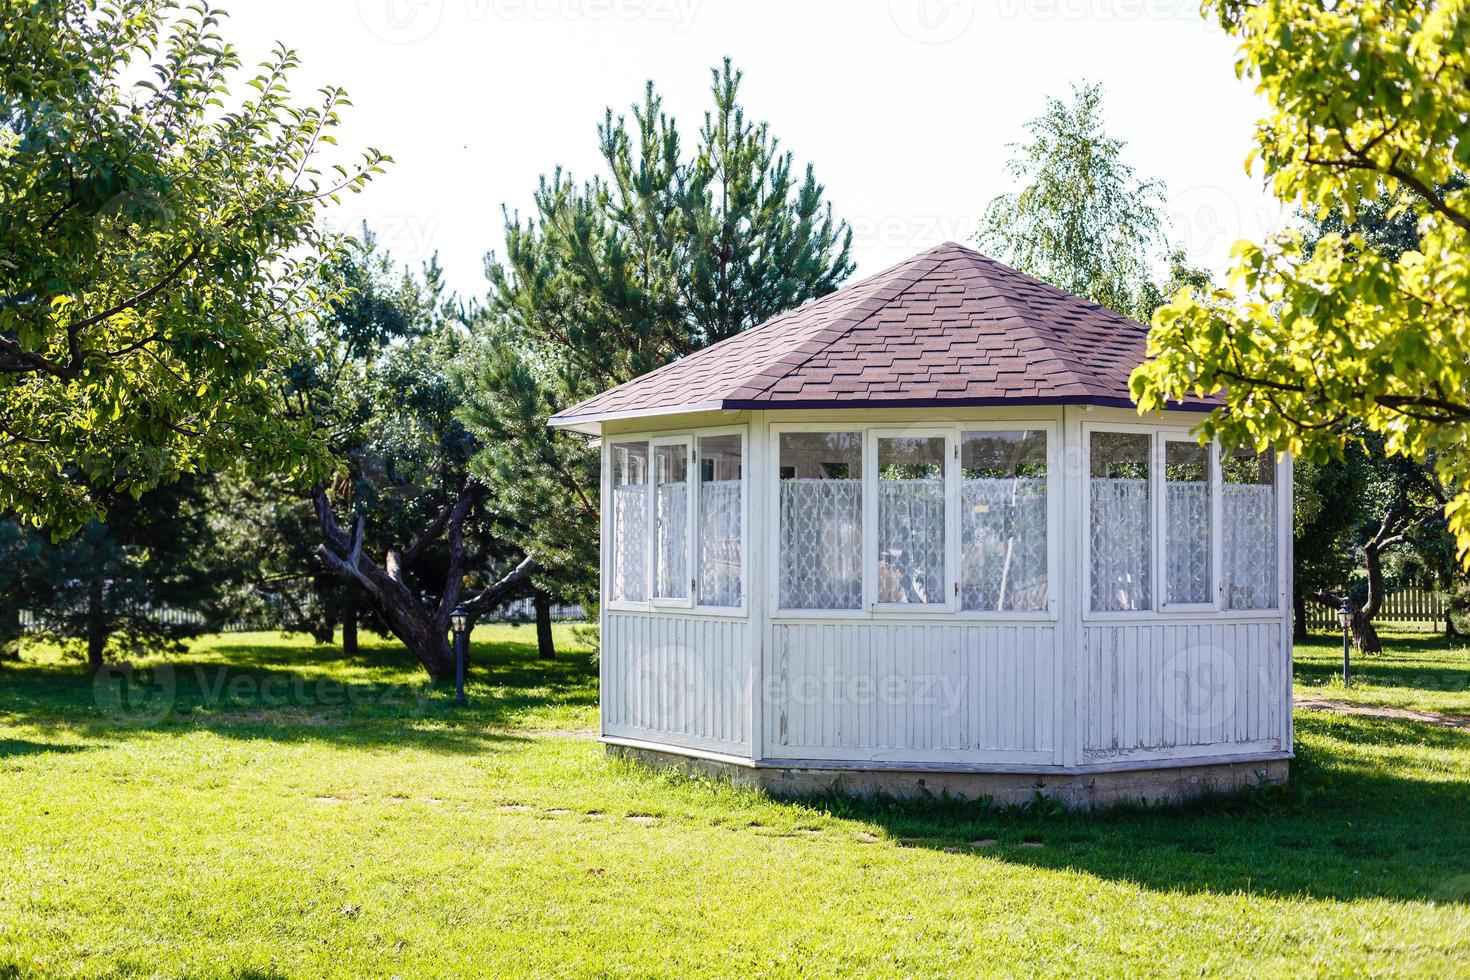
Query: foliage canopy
[[159, 247], [1312, 346]]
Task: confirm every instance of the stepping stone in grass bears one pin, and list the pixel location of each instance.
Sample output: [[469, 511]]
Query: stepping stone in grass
[[330, 799], [951, 849], [557, 813], [643, 818], [866, 838], [514, 808], [984, 842], [808, 831], [1031, 843]]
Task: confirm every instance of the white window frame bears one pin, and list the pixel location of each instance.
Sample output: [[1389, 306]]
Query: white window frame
[[1212, 476], [1053, 510], [1158, 557], [691, 437], [1283, 504], [743, 432], [610, 446], [951, 601], [773, 505], [953, 431], [1155, 538], [656, 443]]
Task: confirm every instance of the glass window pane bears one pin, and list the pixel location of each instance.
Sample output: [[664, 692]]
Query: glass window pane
[[628, 569], [911, 520], [671, 540], [1003, 557], [1121, 523], [719, 520], [1188, 522], [821, 520], [1248, 537]]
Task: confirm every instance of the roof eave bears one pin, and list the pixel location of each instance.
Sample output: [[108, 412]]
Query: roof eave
[[591, 422]]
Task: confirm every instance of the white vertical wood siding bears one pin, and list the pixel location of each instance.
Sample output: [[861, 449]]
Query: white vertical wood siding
[[925, 693], [1180, 690], [678, 680]]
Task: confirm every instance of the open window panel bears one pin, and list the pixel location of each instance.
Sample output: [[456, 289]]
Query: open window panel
[[671, 517], [913, 553], [1190, 509], [719, 521]]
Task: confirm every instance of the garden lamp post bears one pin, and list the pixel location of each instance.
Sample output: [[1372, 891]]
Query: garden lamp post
[[460, 619], [1345, 619]]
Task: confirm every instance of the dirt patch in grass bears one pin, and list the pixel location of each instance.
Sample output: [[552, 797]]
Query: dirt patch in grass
[[1386, 713]]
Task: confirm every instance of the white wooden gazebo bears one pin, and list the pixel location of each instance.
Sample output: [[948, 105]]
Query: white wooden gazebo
[[913, 537]]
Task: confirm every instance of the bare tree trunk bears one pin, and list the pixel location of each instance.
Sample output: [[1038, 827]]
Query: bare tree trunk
[[1298, 616], [545, 645], [96, 624], [1365, 636], [420, 625]]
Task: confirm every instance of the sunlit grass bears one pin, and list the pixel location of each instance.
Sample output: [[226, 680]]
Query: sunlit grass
[[1415, 670], [372, 828]]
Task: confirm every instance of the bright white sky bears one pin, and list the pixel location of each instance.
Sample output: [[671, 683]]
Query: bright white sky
[[905, 107]]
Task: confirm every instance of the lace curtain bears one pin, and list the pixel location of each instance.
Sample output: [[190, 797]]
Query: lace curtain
[[719, 543], [911, 541], [1188, 575], [821, 544], [1249, 539], [630, 543], [1003, 544], [1120, 544], [671, 568]]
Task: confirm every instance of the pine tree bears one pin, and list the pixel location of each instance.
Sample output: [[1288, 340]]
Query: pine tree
[[658, 256]]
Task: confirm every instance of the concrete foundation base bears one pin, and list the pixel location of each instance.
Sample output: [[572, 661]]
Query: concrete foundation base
[[1087, 790]]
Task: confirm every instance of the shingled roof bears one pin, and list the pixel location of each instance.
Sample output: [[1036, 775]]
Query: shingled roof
[[948, 327]]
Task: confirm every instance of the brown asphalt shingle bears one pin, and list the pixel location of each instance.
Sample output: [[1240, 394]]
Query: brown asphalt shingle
[[947, 327]]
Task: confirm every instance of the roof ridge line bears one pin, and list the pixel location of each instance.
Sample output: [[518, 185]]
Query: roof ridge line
[[812, 346]]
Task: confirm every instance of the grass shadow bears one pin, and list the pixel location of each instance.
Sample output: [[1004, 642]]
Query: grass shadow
[[1346, 827], [249, 689]]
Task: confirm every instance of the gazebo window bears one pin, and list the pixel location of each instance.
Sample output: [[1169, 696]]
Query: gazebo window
[[671, 579], [911, 519], [1121, 525], [821, 503], [1003, 516], [718, 526], [1219, 524], [1248, 513], [628, 568], [1188, 520]]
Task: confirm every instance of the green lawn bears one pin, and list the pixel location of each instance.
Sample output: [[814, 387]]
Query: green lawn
[[302, 814], [1419, 672]]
